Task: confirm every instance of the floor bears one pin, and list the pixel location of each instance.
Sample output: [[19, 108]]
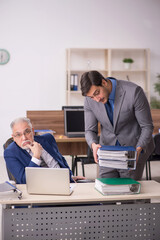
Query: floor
[[90, 171]]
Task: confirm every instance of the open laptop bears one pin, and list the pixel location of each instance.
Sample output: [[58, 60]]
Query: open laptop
[[48, 181]]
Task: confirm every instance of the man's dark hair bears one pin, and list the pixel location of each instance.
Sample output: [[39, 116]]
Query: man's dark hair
[[90, 78]]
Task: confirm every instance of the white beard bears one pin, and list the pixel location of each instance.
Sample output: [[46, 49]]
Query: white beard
[[25, 144]]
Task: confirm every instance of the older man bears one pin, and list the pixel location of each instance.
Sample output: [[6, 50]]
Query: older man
[[28, 150]]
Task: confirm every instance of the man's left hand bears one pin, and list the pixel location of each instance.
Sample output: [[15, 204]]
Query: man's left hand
[[75, 178], [139, 150]]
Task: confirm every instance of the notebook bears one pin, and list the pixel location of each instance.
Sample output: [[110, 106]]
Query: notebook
[[48, 181]]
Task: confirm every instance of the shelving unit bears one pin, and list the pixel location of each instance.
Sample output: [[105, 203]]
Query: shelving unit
[[110, 63]]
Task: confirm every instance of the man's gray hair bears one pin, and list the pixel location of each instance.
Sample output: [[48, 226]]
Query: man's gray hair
[[21, 119]]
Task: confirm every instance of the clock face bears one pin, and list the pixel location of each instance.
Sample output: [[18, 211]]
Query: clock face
[[4, 56]]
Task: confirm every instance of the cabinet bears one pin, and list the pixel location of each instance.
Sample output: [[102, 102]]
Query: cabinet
[[109, 62]]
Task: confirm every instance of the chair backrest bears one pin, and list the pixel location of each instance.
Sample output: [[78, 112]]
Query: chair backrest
[[157, 144], [5, 145]]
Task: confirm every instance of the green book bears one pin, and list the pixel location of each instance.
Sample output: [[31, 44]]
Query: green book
[[113, 186]]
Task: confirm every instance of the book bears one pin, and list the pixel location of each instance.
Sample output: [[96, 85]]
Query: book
[[119, 157], [116, 186]]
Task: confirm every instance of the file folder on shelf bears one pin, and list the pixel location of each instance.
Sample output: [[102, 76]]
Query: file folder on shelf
[[119, 157], [116, 186]]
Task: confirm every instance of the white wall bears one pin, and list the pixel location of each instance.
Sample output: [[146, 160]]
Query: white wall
[[37, 32]]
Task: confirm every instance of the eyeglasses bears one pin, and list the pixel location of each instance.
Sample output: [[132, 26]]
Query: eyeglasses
[[26, 132]]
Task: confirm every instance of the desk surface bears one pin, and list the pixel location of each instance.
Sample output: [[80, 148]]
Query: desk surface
[[83, 193], [63, 139]]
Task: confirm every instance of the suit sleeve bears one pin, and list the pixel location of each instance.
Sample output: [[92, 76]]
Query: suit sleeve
[[144, 118], [91, 124], [15, 165]]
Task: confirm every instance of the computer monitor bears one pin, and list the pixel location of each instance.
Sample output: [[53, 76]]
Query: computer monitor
[[74, 107], [74, 121]]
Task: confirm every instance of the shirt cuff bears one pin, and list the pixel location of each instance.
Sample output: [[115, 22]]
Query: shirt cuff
[[36, 161]]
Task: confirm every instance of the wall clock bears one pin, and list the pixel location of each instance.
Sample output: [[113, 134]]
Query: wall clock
[[4, 56]]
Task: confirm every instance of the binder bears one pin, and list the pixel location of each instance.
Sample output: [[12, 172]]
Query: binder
[[117, 186], [9, 187], [119, 157], [43, 131], [75, 86], [74, 82]]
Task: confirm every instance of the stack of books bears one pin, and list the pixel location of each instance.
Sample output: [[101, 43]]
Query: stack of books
[[117, 186], [119, 157]]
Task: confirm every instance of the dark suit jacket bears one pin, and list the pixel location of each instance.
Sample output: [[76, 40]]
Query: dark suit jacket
[[17, 159]]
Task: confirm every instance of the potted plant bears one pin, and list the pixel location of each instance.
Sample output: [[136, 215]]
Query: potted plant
[[127, 62]]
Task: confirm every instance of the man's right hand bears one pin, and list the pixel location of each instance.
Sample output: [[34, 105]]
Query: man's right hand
[[36, 149], [95, 148]]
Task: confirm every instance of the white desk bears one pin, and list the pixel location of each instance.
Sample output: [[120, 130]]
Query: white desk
[[86, 214]]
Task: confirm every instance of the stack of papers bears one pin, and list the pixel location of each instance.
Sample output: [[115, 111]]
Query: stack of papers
[[116, 186], [119, 157]]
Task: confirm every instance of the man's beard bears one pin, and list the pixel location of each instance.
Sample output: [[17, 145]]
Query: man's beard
[[25, 144]]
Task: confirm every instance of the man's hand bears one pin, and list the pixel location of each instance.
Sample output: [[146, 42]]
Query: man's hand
[[95, 148], [36, 149], [75, 178], [139, 150]]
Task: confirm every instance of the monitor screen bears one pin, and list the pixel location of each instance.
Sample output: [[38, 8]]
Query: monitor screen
[[74, 122], [72, 107]]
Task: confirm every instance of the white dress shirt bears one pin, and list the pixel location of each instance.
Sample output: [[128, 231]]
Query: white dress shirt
[[46, 159]]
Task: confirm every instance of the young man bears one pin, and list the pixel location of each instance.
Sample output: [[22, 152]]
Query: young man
[[28, 150], [129, 123]]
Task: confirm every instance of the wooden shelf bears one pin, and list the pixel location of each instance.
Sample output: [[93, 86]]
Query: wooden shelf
[[132, 70], [109, 62]]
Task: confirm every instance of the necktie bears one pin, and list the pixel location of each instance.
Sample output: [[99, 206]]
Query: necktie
[[110, 110], [109, 107]]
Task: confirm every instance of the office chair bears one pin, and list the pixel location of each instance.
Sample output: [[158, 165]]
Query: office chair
[[5, 145], [89, 159], [155, 156]]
